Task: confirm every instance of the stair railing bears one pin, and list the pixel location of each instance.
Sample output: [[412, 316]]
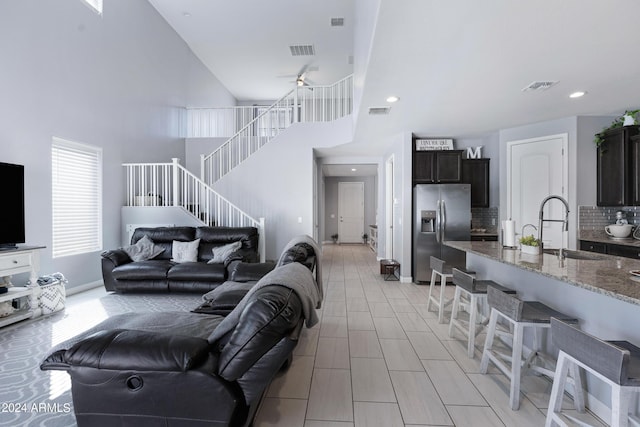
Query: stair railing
[[267, 124], [219, 122], [170, 184], [303, 104]]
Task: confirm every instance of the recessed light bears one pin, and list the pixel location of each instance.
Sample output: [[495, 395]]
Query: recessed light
[[186, 14], [392, 98], [353, 169], [577, 94]]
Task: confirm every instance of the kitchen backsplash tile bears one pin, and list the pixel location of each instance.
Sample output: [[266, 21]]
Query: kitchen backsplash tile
[[593, 219], [486, 218]]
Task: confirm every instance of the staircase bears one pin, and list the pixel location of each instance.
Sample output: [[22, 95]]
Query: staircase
[[170, 184], [302, 104]]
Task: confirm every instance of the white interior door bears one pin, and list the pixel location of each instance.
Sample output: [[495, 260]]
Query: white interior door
[[537, 168], [350, 212]]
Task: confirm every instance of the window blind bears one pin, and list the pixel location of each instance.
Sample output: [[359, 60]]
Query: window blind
[[77, 198]]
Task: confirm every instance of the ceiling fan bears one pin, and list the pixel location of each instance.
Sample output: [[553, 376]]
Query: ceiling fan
[[302, 76]]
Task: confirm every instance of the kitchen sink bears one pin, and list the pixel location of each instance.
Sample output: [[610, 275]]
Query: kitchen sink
[[581, 255]]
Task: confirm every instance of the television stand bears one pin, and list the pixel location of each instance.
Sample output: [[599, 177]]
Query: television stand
[[24, 259]]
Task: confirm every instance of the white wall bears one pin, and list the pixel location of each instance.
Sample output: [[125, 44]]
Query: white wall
[[277, 181], [581, 160], [400, 149], [366, 17], [118, 81], [194, 147], [331, 202]]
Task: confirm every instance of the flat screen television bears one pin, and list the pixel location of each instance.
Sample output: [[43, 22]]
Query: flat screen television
[[12, 208]]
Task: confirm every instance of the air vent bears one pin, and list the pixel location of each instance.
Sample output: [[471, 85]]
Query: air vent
[[539, 85], [302, 50], [379, 110], [337, 22]]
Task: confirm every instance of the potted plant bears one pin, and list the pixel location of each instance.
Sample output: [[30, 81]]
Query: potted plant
[[334, 237], [630, 117], [365, 238], [530, 245]]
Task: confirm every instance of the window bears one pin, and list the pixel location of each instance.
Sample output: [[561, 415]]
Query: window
[[95, 5], [77, 198]]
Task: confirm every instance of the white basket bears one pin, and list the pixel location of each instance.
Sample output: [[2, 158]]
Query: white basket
[[52, 297]]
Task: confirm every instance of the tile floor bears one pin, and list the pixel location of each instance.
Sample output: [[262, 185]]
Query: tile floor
[[379, 358]]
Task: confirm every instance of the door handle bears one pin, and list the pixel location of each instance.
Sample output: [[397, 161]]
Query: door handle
[[444, 218], [438, 221]]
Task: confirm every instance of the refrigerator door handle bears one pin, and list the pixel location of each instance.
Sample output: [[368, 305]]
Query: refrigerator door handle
[[437, 230], [444, 219]]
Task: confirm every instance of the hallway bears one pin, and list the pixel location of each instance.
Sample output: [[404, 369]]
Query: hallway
[[378, 358]]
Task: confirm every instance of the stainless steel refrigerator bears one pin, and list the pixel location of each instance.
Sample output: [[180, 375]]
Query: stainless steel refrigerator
[[440, 212]]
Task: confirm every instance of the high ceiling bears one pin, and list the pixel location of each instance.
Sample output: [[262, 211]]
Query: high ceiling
[[245, 43], [458, 66]]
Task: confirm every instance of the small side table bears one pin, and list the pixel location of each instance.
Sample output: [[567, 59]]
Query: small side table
[[390, 268]]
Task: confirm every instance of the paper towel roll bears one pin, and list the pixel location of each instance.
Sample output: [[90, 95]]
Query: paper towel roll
[[508, 233]]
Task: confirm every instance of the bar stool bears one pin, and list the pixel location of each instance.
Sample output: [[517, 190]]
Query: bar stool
[[439, 267], [617, 363], [521, 315], [469, 293]]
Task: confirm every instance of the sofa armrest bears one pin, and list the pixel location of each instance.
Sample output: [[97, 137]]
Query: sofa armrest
[[249, 271], [116, 256], [123, 349], [244, 255]]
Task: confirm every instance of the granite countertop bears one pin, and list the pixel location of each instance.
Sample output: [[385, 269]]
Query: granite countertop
[[594, 236], [609, 276]]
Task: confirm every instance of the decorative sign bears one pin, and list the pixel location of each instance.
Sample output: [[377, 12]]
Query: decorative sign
[[474, 153], [434, 144]]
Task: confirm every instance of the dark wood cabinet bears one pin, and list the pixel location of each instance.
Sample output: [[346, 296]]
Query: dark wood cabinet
[[626, 251], [634, 154], [586, 245], [476, 173], [437, 167], [487, 238], [618, 167]]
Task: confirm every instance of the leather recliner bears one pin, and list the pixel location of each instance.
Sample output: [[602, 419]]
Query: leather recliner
[[159, 369]]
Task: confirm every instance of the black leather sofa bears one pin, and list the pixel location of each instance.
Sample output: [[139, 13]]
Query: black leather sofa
[[132, 373], [160, 274], [190, 369]]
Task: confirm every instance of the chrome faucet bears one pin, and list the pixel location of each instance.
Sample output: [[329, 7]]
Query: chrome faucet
[[565, 221]]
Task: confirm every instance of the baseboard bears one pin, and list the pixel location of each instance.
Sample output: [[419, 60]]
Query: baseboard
[[406, 279], [82, 288]]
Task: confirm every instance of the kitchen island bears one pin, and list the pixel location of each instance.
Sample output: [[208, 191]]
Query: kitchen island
[[601, 292], [607, 275]]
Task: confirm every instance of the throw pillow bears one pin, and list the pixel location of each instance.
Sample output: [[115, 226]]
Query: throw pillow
[[143, 250], [185, 251], [221, 253]]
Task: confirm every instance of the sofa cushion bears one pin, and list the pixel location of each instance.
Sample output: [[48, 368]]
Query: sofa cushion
[[143, 250], [143, 270], [221, 253], [164, 237], [249, 271], [185, 251], [214, 237], [123, 349], [198, 272], [223, 299]]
